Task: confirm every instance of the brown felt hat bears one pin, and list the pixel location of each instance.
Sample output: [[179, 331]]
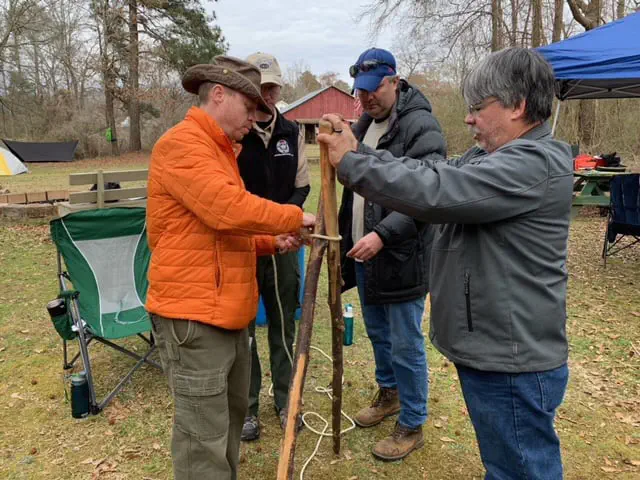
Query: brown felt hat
[[231, 72]]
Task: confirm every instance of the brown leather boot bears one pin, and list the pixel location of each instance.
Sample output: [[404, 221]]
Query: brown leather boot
[[399, 444], [385, 403]]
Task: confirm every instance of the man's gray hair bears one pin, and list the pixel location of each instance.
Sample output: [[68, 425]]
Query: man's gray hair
[[513, 75]]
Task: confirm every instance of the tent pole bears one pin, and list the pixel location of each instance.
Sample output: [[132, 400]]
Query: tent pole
[[555, 119]]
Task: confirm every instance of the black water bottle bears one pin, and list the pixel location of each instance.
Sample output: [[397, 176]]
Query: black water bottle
[[61, 318], [79, 395]]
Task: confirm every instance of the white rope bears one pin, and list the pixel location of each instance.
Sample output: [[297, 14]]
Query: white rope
[[326, 431], [326, 237], [281, 310]]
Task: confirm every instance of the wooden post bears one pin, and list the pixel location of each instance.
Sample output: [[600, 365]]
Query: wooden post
[[328, 175], [326, 224], [301, 360], [100, 189]]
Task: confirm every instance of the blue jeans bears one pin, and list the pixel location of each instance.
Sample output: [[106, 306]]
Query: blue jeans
[[395, 332], [512, 415]]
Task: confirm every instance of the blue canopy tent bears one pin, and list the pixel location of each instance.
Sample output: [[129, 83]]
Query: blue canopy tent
[[600, 63]]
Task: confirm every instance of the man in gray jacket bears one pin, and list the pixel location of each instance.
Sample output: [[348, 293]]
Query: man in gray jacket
[[386, 254], [498, 275]]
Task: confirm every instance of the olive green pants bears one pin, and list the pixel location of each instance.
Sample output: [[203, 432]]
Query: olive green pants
[[288, 287], [208, 373]]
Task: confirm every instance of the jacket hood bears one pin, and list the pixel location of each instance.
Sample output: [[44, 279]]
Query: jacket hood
[[410, 99]]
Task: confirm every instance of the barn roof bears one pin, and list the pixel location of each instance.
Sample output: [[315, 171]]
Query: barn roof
[[304, 99]]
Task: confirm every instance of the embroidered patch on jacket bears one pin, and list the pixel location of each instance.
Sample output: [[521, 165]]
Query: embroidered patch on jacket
[[282, 146]]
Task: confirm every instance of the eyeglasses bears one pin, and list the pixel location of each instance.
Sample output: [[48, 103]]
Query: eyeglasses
[[475, 109], [366, 66]]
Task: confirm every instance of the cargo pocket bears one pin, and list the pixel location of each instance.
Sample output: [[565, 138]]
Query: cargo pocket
[[201, 405]]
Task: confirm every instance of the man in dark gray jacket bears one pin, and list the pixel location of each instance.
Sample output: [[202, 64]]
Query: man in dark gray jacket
[[386, 254], [498, 274]]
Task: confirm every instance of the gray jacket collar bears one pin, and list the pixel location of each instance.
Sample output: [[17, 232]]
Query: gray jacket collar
[[539, 132]]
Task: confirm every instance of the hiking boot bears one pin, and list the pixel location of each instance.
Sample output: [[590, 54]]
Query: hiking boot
[[385, 403], [250, 429], [399, 444], [283, 418]]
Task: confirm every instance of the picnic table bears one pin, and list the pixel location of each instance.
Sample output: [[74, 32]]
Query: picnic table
[[588, 188]]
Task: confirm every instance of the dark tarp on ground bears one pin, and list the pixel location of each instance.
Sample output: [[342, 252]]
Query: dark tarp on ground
[[43, 152], [600, 63]]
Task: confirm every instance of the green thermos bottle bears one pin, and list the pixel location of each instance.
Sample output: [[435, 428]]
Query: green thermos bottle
[[347, 336], [79, 395]]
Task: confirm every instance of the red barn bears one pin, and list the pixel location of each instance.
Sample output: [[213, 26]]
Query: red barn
[[308, 110]]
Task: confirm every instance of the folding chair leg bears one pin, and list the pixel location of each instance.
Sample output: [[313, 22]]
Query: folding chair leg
[[604, 248], [119, 386], [66, 365], [127, 352], [84, 353]]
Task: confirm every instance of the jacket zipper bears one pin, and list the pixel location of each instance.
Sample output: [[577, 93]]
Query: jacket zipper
[[467, 296]]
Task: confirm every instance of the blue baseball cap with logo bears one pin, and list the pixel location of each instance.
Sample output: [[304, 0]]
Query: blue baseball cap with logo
[[372, 66]]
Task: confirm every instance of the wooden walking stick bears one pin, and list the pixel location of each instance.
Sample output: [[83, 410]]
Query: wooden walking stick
[[328, 175], [326, 222], [303, 342]]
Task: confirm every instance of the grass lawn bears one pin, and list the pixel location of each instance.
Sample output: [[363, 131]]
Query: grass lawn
[[599, 422]]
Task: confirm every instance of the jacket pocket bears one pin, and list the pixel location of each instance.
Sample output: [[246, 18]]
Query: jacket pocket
[[217, 268], [399, 268], [467, 297], [201, 406]]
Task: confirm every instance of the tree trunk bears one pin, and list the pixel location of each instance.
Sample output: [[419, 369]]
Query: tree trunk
[[496, 25], [107, 74], [4, 89], [587, 122], [621, 9], [111, 120], [558, 20], [587, 15], [16, 54], [135, 142], [515, 7], [36, 71], [537, 33]]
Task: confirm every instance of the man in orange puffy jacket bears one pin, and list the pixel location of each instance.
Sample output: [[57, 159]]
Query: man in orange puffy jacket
[[205, 232]]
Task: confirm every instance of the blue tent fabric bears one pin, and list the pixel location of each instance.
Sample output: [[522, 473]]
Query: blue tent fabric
[[600, 63]]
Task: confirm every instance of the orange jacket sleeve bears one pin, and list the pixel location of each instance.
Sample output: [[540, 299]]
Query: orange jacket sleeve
[[265, 245], [204, 185]]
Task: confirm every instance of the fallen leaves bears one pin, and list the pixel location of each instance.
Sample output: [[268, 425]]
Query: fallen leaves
[[104, 466], [447, 440]]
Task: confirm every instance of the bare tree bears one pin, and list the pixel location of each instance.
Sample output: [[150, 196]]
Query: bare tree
[[415, 51], [537, 35], [135, 142], [107, 24], [589, 15], [558, 20], [496, 25]]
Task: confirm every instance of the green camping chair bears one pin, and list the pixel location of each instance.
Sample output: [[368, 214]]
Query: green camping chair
[[106, 256]]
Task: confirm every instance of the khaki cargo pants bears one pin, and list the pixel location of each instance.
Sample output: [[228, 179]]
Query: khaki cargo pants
[[208, 372]]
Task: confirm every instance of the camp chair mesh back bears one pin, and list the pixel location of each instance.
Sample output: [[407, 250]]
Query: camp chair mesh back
[[106, 255], [624, 214]]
